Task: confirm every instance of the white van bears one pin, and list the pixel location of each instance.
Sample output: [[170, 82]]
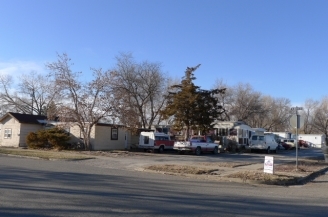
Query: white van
[[265, 142], [155, 141]]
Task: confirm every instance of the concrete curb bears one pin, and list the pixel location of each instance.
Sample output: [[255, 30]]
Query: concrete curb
[[312, 176]]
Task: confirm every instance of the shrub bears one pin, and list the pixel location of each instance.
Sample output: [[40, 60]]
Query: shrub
[[58, 138], [33, 141], [51, 138]]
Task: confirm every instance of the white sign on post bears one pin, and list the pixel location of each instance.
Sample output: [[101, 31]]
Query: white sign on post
[[268, 164]]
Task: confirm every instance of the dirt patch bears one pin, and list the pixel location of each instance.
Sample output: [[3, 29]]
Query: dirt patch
[[304, 166], [116, 153], [226, 164], [264, 178], [285, 174], [182, 169], [202, 168]]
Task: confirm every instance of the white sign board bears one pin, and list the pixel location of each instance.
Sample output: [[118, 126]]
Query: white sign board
[[268, 164]]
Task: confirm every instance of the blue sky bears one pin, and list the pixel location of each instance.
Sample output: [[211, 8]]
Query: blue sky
[[280, 47]]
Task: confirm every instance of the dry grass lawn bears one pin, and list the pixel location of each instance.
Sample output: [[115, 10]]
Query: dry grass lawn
[[45, 154]]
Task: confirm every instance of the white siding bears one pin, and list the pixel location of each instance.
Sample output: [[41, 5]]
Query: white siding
[[104, 141], [76, 134], [100, 138], [25, 129], [318, 140], [14, 125]]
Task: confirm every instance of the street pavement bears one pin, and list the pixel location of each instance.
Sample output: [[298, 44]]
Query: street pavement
[[112, 187]]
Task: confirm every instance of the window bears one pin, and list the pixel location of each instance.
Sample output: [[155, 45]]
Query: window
[[146, 140], [114, 134], [161, 138], [209, 139], [7, 133]]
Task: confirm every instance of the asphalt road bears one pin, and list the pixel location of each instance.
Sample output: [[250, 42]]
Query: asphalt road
[[102, 187]]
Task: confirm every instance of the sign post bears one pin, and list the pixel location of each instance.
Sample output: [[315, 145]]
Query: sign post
[[296, 121]]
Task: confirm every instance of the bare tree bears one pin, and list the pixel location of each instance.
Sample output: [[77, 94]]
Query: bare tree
[[169, 120], [140, 88], [310, 106], [225, 100], [246, 102], [84, 103], [320, 119], [275, 114], [32, 95], [8, 100]]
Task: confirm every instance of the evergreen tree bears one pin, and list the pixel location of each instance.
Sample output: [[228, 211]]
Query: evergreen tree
[[192, 107]]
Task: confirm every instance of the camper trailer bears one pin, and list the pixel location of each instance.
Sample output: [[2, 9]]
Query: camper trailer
[[232, 134], [155, 141]]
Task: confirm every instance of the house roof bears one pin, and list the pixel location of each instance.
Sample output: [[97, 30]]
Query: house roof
[[109, 125], [26, 118]]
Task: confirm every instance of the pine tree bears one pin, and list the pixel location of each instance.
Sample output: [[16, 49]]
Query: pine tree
[[192, 107]]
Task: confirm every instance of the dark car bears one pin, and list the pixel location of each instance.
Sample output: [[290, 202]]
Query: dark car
[[302, 143], [285, 145]]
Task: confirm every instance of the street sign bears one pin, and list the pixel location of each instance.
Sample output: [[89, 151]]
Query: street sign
[[296, 122], [296, 108]]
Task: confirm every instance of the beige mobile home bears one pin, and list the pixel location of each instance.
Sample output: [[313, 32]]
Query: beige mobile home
[[14, 128], [106, 137]]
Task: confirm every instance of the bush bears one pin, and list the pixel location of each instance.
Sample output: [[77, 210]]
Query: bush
[[33, 141], [51, 138]]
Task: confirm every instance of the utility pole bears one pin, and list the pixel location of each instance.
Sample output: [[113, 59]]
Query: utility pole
[[32, 96]]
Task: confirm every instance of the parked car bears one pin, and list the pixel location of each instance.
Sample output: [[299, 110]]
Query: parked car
[[289, 144], [285, 145], [304, 144]]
